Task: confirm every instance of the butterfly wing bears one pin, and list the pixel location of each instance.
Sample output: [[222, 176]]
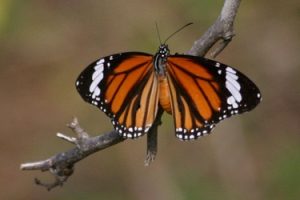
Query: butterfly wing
[[123, 86], [204, 92]]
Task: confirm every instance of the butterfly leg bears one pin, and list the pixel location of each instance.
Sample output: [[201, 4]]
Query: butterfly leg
[[152, 139]]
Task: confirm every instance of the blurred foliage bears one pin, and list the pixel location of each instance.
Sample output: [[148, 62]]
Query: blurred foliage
[[4, 13], [46, 44], [283, 178]]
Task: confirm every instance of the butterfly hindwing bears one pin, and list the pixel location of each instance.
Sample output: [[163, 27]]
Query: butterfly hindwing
[[204, 92], [125, 88]]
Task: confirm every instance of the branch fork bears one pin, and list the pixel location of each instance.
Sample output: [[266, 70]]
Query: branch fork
[[82, 137]]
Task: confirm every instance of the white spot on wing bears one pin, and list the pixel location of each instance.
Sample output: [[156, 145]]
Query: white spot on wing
[[100, 61], [234, 91], [233, 76], [97, 73], [97, 77], [192, 137], [233, 87], [229, 69], [96, 92], [233, 81], [231, 101], [95, 83]]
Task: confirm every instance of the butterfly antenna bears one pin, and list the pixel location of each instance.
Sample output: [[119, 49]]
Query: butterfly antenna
[[177, 31], [157, 31]]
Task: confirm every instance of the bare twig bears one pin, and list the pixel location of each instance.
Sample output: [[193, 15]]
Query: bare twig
[[222, 29], [62, 165]]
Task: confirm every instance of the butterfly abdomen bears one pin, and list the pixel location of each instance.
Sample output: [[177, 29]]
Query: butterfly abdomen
[[164, 94]]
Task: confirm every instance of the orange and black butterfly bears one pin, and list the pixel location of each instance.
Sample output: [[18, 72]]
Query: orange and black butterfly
[[132, 87]]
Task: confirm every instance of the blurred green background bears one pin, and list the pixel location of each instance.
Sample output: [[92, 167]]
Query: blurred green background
[[44, 45]]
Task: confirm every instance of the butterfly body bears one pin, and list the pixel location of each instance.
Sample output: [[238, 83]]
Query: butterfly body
[[131, 87], [159, 63], [164, 94]]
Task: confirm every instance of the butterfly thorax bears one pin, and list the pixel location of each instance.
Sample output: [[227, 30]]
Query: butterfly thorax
[[160, 59]]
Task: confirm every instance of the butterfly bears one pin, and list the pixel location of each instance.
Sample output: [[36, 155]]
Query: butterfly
[[132, 87]]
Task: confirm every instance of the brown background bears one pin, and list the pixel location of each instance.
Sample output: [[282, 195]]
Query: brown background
[[44, 45]]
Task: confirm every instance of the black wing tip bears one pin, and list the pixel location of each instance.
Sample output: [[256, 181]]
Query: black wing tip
[[252, 97]]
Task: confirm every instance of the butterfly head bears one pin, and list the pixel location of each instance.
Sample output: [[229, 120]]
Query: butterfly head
[[163, 51]]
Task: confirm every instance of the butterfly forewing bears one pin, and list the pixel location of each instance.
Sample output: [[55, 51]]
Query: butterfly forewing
[[125, 88], [204, 92]]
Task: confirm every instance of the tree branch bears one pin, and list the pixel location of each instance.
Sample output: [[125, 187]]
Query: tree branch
[[62, 165], [222, 29]]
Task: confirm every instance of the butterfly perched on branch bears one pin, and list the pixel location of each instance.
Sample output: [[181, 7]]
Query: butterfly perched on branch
[[132, 87]]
